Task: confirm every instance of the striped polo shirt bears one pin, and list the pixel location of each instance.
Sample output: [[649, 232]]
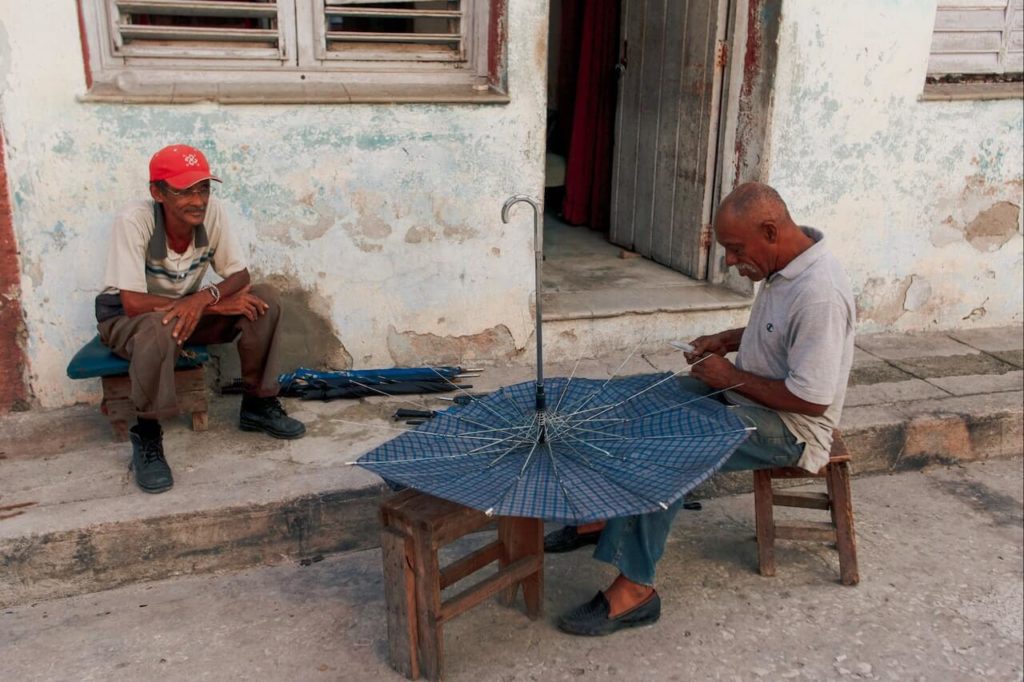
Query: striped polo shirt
[[140, 260]]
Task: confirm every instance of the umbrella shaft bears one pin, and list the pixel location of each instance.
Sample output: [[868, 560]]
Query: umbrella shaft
[[537, 303]]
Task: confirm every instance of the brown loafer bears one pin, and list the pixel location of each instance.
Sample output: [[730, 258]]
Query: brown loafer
[[591, 619]]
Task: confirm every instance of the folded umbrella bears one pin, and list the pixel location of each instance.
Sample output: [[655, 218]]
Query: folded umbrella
[[310, 384]]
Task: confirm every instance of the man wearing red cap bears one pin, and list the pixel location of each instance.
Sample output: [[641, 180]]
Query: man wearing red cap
[[154, 301]]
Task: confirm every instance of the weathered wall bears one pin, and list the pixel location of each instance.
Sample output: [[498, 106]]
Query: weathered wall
[[381, 221], [13, 389], [922, 200]]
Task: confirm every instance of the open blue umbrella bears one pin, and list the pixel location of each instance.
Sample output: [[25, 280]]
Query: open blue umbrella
[[566, 449], [605, 449]]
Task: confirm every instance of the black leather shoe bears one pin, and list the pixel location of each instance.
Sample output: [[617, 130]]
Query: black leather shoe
[[591, 619], [567, 538], [267, 415], [152, 474]]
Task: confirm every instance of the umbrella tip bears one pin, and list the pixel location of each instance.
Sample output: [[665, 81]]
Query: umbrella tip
[[490, 512], [663, 506]]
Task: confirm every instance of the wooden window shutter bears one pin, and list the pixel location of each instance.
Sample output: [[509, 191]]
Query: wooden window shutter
[[400, 30], [978, 37], [229, 29]]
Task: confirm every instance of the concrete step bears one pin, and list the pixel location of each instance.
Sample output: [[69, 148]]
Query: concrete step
[[239, 500], [243, 499]]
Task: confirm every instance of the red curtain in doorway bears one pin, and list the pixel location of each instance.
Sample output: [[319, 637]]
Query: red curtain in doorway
[[588, 175]]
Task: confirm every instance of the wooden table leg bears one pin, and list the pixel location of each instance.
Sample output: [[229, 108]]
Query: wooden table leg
[[430, 633], [400, 601]]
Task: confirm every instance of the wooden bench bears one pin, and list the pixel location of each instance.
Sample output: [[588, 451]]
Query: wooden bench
[[414, 526], [836, 499], [96, 360]]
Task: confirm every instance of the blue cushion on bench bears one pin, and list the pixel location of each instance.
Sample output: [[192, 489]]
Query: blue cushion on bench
[[96, 360]]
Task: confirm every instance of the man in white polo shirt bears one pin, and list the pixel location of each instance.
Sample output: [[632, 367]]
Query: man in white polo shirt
[[789, 380], [153, 301]]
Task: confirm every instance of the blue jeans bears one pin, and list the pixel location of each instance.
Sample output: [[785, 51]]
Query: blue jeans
[[634, 544]]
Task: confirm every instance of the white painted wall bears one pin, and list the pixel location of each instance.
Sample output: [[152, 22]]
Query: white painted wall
[[388, 215], [895, 182]]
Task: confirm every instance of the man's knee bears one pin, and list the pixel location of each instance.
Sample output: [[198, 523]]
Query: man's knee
[[268, 294], [153, 336]]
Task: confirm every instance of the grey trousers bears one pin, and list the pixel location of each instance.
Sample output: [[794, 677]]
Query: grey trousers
[[151, 351]]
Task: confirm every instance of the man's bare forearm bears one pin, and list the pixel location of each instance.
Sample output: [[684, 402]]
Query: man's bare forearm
[[775, 394], [138, 303], [233, 283], [732, 338]]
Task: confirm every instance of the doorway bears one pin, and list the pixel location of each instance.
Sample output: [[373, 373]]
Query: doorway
[[635, 98]]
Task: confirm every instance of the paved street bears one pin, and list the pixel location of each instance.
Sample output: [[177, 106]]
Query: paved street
[[940, 599]]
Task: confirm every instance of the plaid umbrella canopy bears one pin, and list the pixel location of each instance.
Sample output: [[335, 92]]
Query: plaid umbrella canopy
[[603, 449], [607, 448]]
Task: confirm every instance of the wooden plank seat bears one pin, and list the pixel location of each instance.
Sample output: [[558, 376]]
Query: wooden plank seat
[[96, 360], [414, 526], [836, 500]]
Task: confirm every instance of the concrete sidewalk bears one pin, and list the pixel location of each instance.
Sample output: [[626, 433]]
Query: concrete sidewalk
[[940, 599], [243, 500]]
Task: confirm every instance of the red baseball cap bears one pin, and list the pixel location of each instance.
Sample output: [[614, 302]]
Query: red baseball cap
[[180, 166]]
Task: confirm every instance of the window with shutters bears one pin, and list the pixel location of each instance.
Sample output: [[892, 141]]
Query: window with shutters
[[977, 50], [293, 50]]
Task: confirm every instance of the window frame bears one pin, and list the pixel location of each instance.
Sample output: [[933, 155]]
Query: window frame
[[301, 71]]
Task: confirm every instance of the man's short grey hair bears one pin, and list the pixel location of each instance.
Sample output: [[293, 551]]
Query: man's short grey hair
[[756, 196]]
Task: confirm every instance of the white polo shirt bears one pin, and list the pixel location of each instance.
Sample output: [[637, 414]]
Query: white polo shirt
[[140, 260], [801, 330]]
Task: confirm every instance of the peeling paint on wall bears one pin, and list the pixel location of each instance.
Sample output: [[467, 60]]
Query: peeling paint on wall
[[489, 346], [419, 234], [13, 335], [919, 200], [918, 293], [371, 217], [993, 227], [880, 300], [976, 313]]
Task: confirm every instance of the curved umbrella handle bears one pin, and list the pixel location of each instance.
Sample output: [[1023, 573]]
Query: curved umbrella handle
[[538, 247]]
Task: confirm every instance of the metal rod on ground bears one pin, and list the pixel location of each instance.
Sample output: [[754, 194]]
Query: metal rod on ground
[[538, 240]]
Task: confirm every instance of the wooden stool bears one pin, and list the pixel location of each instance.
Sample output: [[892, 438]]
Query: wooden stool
[[189, 385], [837, 500], [96, 360], [414, 526]]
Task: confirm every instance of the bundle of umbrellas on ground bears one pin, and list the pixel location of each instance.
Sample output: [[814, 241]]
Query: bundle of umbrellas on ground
[[565, 449], [311, 384]]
